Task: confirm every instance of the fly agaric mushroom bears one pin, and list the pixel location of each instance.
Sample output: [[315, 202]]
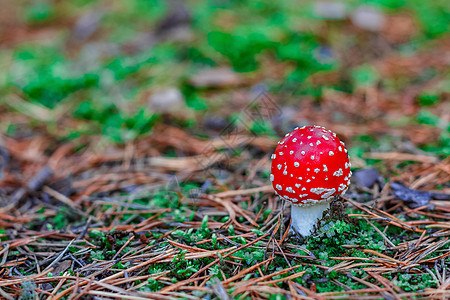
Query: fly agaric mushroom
[[309, 167]]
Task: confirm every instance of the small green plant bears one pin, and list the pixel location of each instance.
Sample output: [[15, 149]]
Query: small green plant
[[415, 282]]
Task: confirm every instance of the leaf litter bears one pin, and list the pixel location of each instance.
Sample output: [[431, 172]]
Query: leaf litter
[[118, 242], [131, 222]]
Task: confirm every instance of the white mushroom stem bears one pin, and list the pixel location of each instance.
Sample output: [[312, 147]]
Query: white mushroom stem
[[305, 217]]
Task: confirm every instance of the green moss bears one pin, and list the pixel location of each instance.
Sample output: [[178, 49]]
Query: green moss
[[415, 282]]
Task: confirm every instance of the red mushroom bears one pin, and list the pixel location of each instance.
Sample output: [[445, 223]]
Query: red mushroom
[[309, 167]]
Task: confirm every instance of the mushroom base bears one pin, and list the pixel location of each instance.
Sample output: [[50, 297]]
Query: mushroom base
[[304, 218]]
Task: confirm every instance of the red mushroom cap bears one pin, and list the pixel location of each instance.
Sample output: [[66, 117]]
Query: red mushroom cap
[[310, 165]]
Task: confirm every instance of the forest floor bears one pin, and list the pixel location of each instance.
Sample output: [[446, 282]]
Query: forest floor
[[136, 139]]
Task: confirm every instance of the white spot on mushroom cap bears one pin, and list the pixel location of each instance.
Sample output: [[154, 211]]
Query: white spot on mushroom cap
[[303, 189], [297, 185], [309, 180], [340, 148], [290, 190], [338, 173], [341, 187], [279, 187], [312, 157], [273, 156], [311, 144], [281, 153], [294, 140], [317, 191], [308, 169], [309, 136], [317, 170], [318, 143], [272, 177], [303, 152], [325, 169], [325, 138], [328, 192], [296, 164], [284, 172], [331, 153], [291, 152], [279, 166]]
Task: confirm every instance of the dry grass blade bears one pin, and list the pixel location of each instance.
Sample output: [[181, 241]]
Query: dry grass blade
[[228, 254], [247, 270]]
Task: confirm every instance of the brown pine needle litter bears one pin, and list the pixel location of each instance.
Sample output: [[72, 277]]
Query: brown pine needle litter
[[136, 140], [125, 233]]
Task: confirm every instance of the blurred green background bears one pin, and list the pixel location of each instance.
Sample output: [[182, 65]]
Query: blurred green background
[[110, 69]]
